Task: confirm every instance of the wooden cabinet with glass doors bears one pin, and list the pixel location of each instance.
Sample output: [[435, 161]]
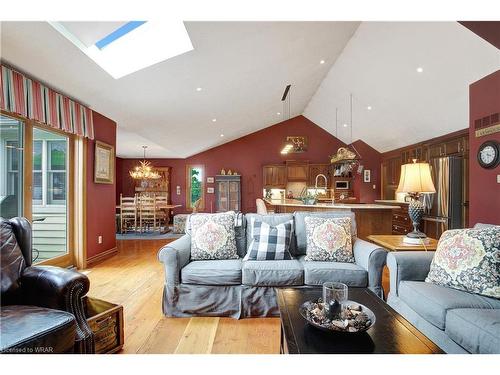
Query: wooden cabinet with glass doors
[[228, 193]]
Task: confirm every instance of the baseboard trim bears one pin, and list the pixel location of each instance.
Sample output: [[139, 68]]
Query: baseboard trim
[[92, 261]]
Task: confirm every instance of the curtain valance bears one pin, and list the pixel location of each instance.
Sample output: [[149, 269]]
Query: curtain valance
[[26, 97]]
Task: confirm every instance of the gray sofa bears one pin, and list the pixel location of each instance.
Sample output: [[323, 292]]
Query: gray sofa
[[239, 289], [457, 321]]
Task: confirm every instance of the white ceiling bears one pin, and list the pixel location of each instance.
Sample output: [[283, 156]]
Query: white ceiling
[[378, 66], [242, 67]]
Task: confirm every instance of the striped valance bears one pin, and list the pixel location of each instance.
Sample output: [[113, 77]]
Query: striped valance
[[29, 98]]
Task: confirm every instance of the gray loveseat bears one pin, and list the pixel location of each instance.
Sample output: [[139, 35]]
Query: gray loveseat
[[241, 289], [457, 321]]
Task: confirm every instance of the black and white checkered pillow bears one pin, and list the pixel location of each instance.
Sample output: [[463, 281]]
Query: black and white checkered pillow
[[270, 242]]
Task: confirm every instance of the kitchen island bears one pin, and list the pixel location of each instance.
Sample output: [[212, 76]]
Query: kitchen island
[[370, 218]]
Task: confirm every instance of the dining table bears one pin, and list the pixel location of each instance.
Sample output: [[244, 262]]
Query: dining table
[[166, 208]]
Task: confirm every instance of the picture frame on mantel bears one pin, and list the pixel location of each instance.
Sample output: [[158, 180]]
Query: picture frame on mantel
[[367, 175], [104, 163]]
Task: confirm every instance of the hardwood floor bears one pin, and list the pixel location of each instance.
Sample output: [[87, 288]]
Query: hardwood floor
[[134, 278]]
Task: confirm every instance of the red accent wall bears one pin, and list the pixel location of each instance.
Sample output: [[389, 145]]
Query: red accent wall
[[247, 155], [100, 197], [370, 159], [484, 194]]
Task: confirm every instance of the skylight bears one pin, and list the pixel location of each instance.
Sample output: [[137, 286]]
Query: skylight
[[134, 46], [118, 33]]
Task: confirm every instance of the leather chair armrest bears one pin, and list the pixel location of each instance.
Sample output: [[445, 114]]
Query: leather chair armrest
[[60, 289]]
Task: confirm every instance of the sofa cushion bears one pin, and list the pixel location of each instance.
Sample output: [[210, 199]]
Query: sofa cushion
[[272, 220], [468, 259], [212, 272], [329, 239], [32, 329], [475, 330], [270, 242], [273, 273], [300, 226], [213, 236], [316, 273], [432, 302]]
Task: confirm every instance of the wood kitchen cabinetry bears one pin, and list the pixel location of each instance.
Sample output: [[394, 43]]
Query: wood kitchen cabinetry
[[316, 169], [391, 170], [297, 171], [274, 176]]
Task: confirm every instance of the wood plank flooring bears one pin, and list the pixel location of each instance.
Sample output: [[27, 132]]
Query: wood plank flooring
[[134, 278]]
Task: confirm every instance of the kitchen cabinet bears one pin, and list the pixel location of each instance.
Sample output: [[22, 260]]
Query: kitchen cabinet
[[391, 170], [228, 193], [407, 156], [274, 176], [316, 169], [297, 171]]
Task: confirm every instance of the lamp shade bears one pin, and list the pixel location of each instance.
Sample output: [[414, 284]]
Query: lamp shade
[[416, 178]]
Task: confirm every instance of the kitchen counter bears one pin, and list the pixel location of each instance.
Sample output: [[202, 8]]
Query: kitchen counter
[[370, 218], [328, 206], [391, 202]]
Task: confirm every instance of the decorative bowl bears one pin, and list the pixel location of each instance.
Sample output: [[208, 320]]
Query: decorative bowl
[[306, 311]]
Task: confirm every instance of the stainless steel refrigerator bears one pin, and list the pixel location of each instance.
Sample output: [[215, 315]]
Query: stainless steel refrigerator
[[445, 208]]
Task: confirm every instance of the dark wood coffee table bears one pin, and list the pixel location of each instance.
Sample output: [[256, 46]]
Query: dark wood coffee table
[[391, 333]]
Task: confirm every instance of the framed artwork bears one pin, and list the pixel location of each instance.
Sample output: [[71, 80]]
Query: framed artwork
[[210, 180], [299, 143], [367, 175], [210, 190], [104, 163]]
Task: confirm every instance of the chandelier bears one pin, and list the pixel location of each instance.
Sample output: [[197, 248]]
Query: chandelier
[[145, 170]]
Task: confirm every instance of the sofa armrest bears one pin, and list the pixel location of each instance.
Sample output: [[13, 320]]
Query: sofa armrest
[[410, 265], [61, 289], [175, 256], [372, 258]]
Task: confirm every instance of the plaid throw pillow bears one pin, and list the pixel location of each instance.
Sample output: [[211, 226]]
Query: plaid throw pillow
[[270, 242]]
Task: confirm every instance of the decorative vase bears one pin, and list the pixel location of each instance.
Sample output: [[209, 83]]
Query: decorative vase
[[416, 212]]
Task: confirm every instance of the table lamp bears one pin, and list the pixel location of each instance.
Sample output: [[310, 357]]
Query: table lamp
[[415, 179]]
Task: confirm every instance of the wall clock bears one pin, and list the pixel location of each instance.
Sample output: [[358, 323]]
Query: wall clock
[[488, 154]]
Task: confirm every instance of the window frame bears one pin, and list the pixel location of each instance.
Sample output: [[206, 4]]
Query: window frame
[[189, 168]]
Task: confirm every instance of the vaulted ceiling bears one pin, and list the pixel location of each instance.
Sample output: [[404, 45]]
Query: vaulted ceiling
[[243, 67]]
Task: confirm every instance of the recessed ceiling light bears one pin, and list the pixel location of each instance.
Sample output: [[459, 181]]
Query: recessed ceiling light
[[322, 62], [420, 69], [199, 89], [345, 125], [369, 108], [214, 120], [222, 135]]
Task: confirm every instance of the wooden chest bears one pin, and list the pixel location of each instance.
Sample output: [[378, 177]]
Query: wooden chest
[[106, 322]]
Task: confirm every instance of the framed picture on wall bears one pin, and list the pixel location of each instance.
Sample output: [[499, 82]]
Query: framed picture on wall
[[210, 190], [210, 180], [367, 175], [104, 163]]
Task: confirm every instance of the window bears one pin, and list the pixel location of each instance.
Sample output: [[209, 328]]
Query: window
[[195, 186], [49, 171]]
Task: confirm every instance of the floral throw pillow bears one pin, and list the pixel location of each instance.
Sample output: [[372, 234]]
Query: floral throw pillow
[[213, 236], [468, 259], [329, 239]]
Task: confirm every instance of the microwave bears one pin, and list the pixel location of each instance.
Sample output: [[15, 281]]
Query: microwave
[[342, 185]]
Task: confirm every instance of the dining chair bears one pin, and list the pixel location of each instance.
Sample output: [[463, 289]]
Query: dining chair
[[162, 214], [147, 212], [262, 208], [128, 213]]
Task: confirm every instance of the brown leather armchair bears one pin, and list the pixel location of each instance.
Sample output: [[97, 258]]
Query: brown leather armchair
[[41, 307]]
